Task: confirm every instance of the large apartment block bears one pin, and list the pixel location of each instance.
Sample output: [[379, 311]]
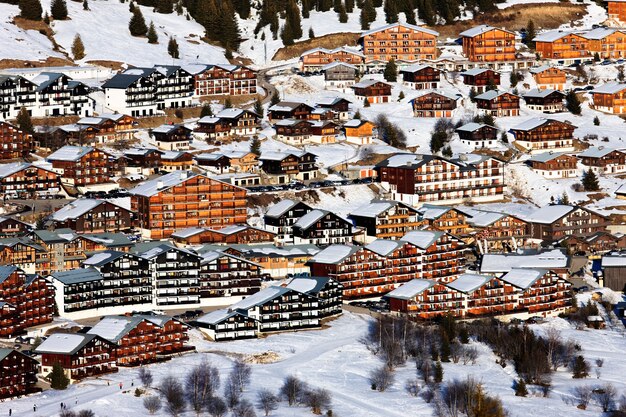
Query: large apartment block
[[399, 41]]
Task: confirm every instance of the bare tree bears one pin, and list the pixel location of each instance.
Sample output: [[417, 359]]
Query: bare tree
[[599, 362], [292, 389], [172, 391], [469, 355], [545, 385], [412, 387], [427, 395], [145, 376], [216, 407], [240, 374], [317, 399], [232, 393], [427, 370], [381, 378], [267, 401], [244, 409], [582, 394], [152, 403], [605, 397], [456, 352], [201, 384]]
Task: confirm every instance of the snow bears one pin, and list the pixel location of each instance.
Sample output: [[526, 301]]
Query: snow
[[551, 259], [306, 285], [63, 342], [97, 258], [373, 209], [523, 278], [309, 219], [549, 214], [421, 238], [75, 209], [113, 328], [333, 254], [12, 168], [383, 247], [152, 187], [69, 153], [467, 283], [411, 289], [259, 298], [216, 316], [614, 261]]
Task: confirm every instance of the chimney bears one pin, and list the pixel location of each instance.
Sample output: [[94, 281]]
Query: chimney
[[159, 184], [601, 147], [183, 175]]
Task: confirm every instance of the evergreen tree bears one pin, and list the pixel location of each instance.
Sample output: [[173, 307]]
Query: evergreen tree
[[349, 4], [463, 335], [447, 152], [336, 5], [228, 103], [311, 33], [152, 35], [572, 103], [366, 102], [275, 99], [46, 18], [580, 367], [564, 199], [472, 94], [230, 27], [520, 388], [258, 107], [293, 25], [78, 49], [306, 8], [391, 11], [368, 14], [179, 8], [514, 78], [343, 16], [172, 48], [137, 24], [58, 380], [23, 121], [206, 110], [242, 7], [596, 121], [531, 32], [85, 5], [255, 146], [444, 350], [438, 373], [596, 57], [357, 115], [164, 6], [401, 96], [58, 10], [30, 9], [391, 71], [590, 181]]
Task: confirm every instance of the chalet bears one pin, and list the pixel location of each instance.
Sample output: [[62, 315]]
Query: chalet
[[81, 165], [484, 295], [289, 165], [24, 180], [226, 275], [614, 271], [321, 228], [400, 42], [384, 219], [573, 46], [478, 135], [280, 218], [553, 165], [552, 223], [19, 375], [172, 137], [177, 161], [442, 255], [488, 44], [340, 107], [227, 324], [617, 10], [236, 234], [541, 135], [17, 92], [604, 160], [328, 292], [111, 126], [546, 100], [276, 261], [293, 131], [80, 355], [541, 291], [318, 58], [289, 110], [183, 199], [233, 161], [14, 143], [11, 227], [10, 323], [228, 123], [621, 192], [373, 91], [426, 299], [421, 77], [497, 232], [339, 76], [234, 80], [434, 104], [359, 131], [598, 243], [498, 103], [71, 134], [59, 95], [554, 260], [143, 161], [481, 79], [240, 179], [416, 179], [548, 77], [610, 98], [21, 252], [92, 216], [324, 131], [444, 219]]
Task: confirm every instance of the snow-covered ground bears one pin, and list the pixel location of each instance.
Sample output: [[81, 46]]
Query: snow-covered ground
[[334, 359]]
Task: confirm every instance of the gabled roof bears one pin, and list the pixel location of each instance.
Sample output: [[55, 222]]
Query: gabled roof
[[423, 239], [384, 247], [218, 316], [70, 153], [308, 285], [598, 152], [546, 156], [540, 69], [535, 93], [55, 236], [479, 30], [76, 209], [472, 127], [467, 283], [416, 68], [433, 212], [614, 260], [334, 254], [44, 79], [356, 123], [523, 278], [288, 106], [104, 257], [368, 83], [279, 156], [260, 298], [609, 88], [164, 247], [549, 214], [406, 25], [553, 35], [6, 271], [492, 94], [534, 123], [333, 51], [168, 128], [477, 71], [497, 263], [65, 343], [114, 328], [122, 81], [338, 64], [77, 276], [156, 185], [11, 168], [310, 218], [329, 101], [282, 207], [485, 218], [410, 289]]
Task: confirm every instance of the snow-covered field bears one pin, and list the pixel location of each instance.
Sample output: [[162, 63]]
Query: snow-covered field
[[334, 359]]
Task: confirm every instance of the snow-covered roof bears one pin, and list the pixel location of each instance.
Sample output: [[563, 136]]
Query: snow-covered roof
[[422, 238], [334, 254], [75, 209], [536, 93], [467, 283], [188, 232], [167, 128], [552, 35], [367, 83], [522, 277], [6, 271], [77, 276], [540, 69], [416, 68], [405, 25], [217, 316], [491, 94], [598, 33], [101, 258], [114, 328], [260, 297], [355, 123], [279, 156], [411, 289], [374, 208], [287, 106], [384, 246], [281, 208], [432, 212], [230, 113], [546, 156], [329, 101], [484, 218], [597, 152], [64, 343], [310, 218], [496, 263], [308, 285], [609, 88], [614, 260], [472, 127], [531, 124], [475, 71], [12, 168], [69, 153], [549, 214], [621, 190], [479, 30], [292, 122], [152, 187], [338, 64], [333, 51]]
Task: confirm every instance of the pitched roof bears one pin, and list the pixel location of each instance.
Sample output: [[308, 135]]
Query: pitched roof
[[472, 127], [479, 30], [384, 247], [423, 239], [531, 124], [597, 152], [6, 271], [69, 153], [260, 297], [334, 254], [496, 263], [65, 343], [77, 276], [308, 285], [310, 218], [546, 156], [367, 83], [338, 64], [406, 25], [467, 283], [114, 328], [523, 278], [75, 209], [374, 208], [476, 71], [549, 214], [12, 168], [217, 316], [609, 88], [535, 93], [411, 289], [492, 94], [156, 185], [282, 207], [104, 257], [122, 81]]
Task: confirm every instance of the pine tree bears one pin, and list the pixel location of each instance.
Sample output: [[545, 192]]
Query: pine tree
[[472, 94], [306, 8], [85, 5], [255, 146], [580, 367], [30, 9], [391, 11], [137, 24], [58, 380], [228, 103], [401, 96], [357, 115], [46, 18], [368, 14], [520, 388], [206, 110], [275, 99], [179, 8], [311, 33], [23, 121], [564, 199], [164, 6], [293, 25], [438, 373], [78, 49], [343, 16], [590, 181], [391, 71], [349, 4], [572, 103], [596, 121], [58, 10], [152, 34], [172, 48], [242, 7], [229, 27], [366, 102], [531, 32], [444, 350], [258, 107]]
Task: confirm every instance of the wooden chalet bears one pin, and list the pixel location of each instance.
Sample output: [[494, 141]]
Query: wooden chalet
[[21, 252], [321, 228], [425, 299], [598, 243], [481, 79], [484, 295], [553, 165], [573, 46], [293, 131], [92, 216], [226, 275], [610, 98], [10, 323], [399, 41], [183, 199], [317, 59], [384, 219], [235, 234], [554, 260], [277, 262], [604, 160], [498, 103], [234, 80], [324, 131], [552, 223], [478, 135], [497, 232], [289, 110], [339, 76], [38, 304], [228, 123], [111, 126], [614, 271], [280, 218], [359, 131], [19, 374], [548, 78], [81, 165], [234, 161], [434, 104], [177, 161], [286, 166], [172, 137], [24, 180], [80, 355], [546, 100], [11, 227], [14, 143], [339, 107], [372, 90], [421, 77], [542, 292], [488, 44], [541, 135], [617, 10], [444, 219], [143, 161]]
